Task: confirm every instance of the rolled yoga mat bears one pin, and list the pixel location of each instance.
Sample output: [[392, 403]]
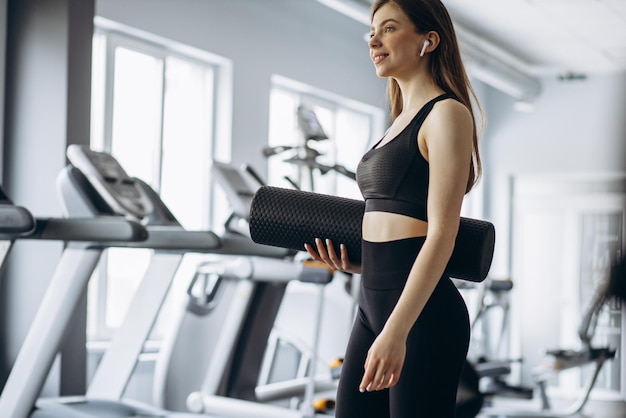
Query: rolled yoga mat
[[289, 218]]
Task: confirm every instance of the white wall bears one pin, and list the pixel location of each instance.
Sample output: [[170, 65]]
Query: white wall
[[577, 131], [301, 40], [577, 127]]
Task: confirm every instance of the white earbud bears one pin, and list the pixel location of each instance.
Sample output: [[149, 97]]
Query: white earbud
[[426, 44]]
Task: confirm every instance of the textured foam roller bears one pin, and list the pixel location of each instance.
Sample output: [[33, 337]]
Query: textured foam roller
[[289, 218]]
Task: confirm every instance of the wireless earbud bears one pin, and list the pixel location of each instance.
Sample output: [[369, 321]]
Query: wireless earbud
[[426, 44]]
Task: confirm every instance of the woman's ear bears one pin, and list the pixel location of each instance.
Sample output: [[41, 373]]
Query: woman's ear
[[430, 43]]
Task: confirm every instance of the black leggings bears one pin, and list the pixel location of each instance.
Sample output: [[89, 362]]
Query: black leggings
[[436, 346]]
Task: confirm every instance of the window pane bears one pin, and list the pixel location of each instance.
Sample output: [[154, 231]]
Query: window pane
[[97, 91], [352, 135], [137, 112], [187, 138], [348, 132], [325, 183], [283, 131]]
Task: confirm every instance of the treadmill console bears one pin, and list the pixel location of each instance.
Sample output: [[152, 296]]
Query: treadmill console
[[239, 186], [121, 192], [310, 125]]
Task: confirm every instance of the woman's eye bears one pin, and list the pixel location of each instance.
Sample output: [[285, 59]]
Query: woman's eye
[[385, 29]]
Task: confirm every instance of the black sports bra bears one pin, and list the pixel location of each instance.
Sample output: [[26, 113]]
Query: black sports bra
[[394, 177]]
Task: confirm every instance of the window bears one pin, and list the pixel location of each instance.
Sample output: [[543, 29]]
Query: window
[[154, 108], [350, 126]]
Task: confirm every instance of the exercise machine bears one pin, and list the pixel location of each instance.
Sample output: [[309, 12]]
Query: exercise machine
[[85, 240], [490, 357], [305, 156], [213, 356], [108, 209], [342, 292], [487, 366], [588, 356], [94, 183]]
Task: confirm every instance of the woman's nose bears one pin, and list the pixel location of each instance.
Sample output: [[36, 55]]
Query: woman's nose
[[373, 41]]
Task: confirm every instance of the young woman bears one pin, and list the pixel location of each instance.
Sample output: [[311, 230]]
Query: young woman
[[410, 338]]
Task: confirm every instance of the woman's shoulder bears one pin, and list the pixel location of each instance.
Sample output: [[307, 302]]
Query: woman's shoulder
[[450, 106], [449, 113]]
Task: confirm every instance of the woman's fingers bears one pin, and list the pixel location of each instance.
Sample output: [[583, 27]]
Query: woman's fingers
[[341, 260], [324, 251], [379, 373], [327, 253], [368, 376], [373, 380], [321, 250], [381, 377], [314, 255], [378, 380], [332, 254], [343, 248]]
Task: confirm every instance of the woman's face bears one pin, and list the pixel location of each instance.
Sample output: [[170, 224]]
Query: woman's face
[[394, 43]]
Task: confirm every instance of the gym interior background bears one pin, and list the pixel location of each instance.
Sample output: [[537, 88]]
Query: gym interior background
[[553, 180]]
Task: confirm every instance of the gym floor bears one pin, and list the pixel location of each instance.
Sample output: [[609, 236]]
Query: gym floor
[[593, 409]]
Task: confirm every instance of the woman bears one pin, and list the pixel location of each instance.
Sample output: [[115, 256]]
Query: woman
[[410, 338]]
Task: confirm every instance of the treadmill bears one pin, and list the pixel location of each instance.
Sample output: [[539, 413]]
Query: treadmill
[[104, 208], [94, 187], [86, 239], [212, 359], [225, 302]]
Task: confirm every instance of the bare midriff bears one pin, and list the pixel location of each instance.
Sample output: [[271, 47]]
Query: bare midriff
[[386, 226]]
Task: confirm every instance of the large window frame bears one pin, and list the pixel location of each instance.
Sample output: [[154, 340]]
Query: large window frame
[[340, 148], [110, 37]]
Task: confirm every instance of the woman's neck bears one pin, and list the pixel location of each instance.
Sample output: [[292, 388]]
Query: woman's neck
[[416, 92]]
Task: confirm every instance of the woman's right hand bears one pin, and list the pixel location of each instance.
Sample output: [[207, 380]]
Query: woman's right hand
[[325, 252]]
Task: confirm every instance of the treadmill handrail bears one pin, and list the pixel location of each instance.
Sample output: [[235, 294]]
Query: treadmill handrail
[[175, 238], [237, 244], [15, 221], [103, 229]]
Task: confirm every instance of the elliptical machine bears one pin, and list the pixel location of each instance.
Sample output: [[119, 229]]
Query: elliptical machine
[[305, 156], [589, 356]]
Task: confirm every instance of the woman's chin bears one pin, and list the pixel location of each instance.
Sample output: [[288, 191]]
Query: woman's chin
[[380, 72]]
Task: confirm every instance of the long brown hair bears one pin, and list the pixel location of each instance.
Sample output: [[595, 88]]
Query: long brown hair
[[446, 65]]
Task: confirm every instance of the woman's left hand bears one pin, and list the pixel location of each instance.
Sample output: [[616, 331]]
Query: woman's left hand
[[326, 254], [384, 362]]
